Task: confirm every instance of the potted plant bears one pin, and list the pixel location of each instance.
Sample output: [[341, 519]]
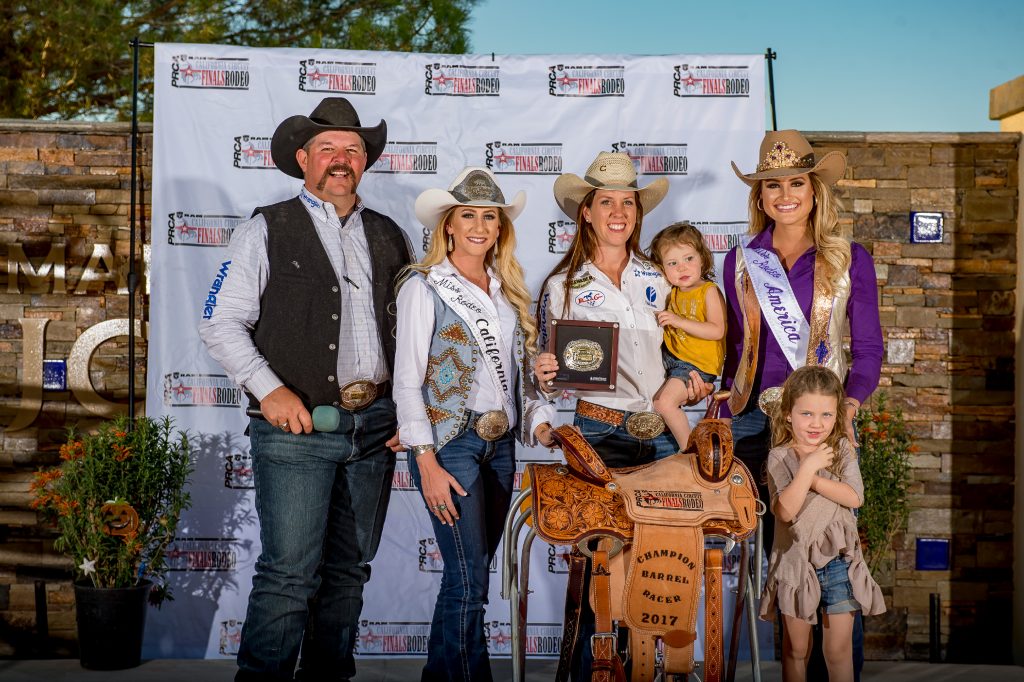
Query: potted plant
[[115, 498], [885, 449]]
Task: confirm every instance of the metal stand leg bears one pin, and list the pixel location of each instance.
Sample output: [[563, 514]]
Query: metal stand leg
[[515, 583]]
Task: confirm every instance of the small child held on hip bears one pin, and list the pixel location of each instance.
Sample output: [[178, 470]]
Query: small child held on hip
[[693, 320], [816, 561]]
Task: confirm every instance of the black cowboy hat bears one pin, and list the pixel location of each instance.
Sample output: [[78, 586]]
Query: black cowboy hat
[[333, 113]]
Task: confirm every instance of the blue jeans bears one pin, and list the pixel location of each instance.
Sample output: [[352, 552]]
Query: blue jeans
[[321, 500], [619, 449], [457, 649], [680, 369]]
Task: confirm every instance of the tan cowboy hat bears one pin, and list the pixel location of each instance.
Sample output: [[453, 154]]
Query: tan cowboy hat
[[333, 113], [611, 171], [785, 153], [474, 186]]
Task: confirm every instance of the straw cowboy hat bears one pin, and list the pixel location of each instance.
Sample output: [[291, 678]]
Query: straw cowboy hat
[[474, 186], [610, 171], [785, 153], [333, 113]]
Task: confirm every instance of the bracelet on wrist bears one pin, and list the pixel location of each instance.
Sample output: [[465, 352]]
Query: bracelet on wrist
[[418, 450]]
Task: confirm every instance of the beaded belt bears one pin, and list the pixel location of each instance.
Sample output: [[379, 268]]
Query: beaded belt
[[642, 425]]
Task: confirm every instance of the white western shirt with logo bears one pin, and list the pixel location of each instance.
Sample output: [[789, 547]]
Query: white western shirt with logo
[[642, 292]]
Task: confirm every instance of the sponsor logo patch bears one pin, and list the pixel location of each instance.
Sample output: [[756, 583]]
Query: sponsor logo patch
[[592, 298]]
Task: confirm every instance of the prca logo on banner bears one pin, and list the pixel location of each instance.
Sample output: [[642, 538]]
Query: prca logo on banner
[[498, 635], [407, 157], [697, 80], [253, 151], [655, 158], [198, 229], [558, 559], [214, 73], [238, 471], [461, 80], [720, 236], [377, 638], [187, 389], [524, 158], [202, 554], [586, 81], [345, 78], [230, 636], [560, 235]]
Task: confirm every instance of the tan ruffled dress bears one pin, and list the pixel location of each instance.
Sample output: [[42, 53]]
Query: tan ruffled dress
[[821, 531]]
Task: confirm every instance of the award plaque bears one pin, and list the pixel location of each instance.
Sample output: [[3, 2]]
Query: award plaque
[[587, 352]]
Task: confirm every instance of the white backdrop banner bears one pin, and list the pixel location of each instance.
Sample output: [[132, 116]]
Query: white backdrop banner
[[528, 118]]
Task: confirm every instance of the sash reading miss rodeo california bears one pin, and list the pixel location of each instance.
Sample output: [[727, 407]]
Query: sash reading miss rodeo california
[[483, 325]]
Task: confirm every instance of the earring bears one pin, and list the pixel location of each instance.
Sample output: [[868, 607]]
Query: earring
[[451, 244], [495, 250], [759, 206]]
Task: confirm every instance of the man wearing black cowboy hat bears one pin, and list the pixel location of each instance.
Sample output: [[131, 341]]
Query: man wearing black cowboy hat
[[305, 318]]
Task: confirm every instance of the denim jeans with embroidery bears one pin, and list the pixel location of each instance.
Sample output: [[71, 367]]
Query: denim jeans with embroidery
[[457, 648]]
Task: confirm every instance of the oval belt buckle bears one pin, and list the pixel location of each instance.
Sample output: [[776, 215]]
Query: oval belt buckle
[[583, 355], [355, 395], [645, 425], [492, 425]]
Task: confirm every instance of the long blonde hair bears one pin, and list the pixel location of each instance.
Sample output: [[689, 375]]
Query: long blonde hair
[[510, 272], [584, 247], [824, 220], [811, 379]]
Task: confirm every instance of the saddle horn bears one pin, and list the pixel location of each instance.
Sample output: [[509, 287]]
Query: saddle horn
[[711, 441]]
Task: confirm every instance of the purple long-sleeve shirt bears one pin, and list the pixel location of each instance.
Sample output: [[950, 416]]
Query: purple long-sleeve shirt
[[861, 310]]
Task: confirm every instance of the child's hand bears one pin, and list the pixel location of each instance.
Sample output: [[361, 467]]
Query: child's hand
[[818, 460], [668, 318]]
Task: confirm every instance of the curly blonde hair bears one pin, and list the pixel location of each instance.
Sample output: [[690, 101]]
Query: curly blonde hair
[[510, 272], [824, 220]]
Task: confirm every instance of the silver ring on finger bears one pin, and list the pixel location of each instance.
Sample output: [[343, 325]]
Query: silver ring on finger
[[284, 426]]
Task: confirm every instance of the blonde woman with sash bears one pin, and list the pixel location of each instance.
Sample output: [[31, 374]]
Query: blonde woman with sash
[[465, 339], [791, 293]]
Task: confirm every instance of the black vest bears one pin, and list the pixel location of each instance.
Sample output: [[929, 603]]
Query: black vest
[[300, 311]]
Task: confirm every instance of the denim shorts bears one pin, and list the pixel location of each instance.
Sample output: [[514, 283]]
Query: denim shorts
[[680, 369], [836, 590]]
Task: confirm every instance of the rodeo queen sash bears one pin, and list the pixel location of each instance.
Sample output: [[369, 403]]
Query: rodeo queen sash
[[484, 326], [779, 305]]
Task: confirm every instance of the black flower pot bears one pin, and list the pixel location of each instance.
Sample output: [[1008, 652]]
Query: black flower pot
[[111, 622]]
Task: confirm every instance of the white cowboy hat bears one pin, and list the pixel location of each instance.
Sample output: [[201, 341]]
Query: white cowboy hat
[[474, 186], [610, 171]]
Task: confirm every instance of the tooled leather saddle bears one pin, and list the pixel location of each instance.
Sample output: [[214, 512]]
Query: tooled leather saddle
[[648, 524]]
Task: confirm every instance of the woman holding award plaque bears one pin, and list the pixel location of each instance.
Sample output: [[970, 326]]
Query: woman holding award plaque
[[790, 292], [464, 395], [605, 278]]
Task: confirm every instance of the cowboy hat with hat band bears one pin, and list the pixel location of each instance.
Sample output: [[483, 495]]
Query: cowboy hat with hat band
[[612, 171], [333, 113], [785, 153], [474, 186]]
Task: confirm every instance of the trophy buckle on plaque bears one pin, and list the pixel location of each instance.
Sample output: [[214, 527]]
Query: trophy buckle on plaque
[[587, 352]]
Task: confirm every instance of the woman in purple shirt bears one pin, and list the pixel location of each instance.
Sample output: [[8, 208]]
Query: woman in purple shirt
[[790, 292]]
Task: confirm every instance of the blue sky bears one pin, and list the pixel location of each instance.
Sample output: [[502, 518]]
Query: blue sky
[[896, 65]]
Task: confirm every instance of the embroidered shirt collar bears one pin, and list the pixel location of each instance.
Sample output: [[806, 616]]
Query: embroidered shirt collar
[[325, 210]]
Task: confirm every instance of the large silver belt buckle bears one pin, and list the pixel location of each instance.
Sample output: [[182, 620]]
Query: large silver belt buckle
[[492, 425], [645, 425], [356, 395]]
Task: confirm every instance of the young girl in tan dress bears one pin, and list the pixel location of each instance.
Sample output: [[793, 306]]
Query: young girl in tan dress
[[816, 561]]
